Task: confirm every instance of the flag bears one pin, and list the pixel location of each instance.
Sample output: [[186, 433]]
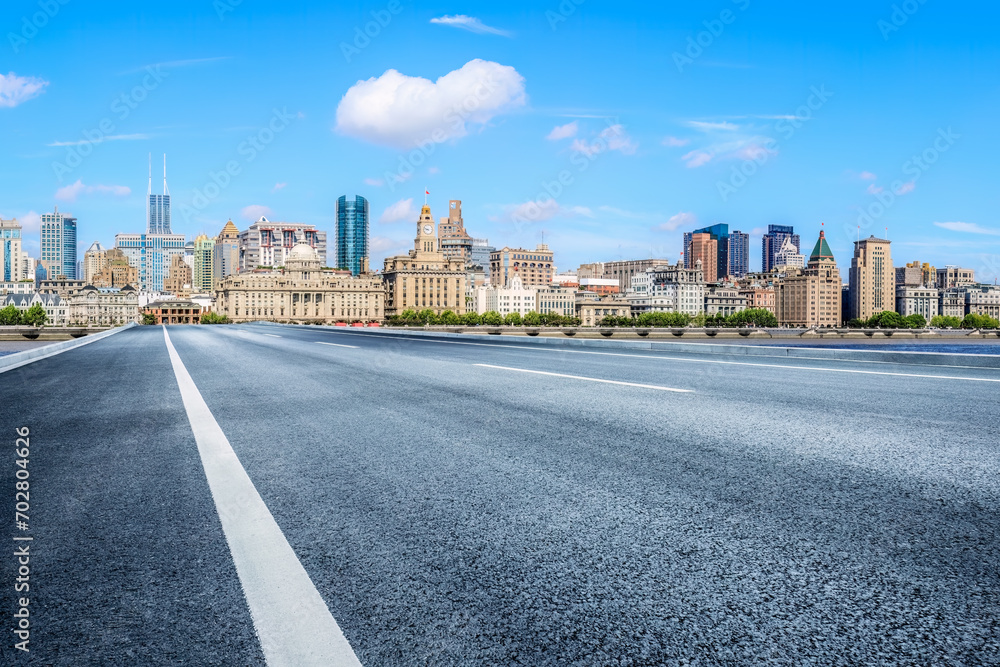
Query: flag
[[427, 192]]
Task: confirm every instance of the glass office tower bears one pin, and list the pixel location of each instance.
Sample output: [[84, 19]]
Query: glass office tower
[[352, 234]]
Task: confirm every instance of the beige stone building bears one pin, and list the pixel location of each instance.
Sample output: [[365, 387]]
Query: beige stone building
[[455, 241], [424, 279], [954, 276], [872, 278], [106, 307], [116, 271], [535, 267], [303, 292], [94, 261], [178, 281], [623, 271], [811, 297], [592, 310]]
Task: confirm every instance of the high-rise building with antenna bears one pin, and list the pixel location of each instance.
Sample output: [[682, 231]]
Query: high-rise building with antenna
[[158, 210]]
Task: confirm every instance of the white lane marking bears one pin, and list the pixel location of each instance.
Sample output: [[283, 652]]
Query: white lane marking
[[293, 623], [580, 377], [353, 347], [271, 335], [711, 361]]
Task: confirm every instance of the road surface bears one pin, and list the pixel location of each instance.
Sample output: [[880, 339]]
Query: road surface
[[481, 503]]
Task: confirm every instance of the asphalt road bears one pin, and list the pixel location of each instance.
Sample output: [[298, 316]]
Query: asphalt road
[[453, 508]]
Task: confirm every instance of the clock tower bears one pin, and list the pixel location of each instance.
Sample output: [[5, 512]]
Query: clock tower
[[427, 239]]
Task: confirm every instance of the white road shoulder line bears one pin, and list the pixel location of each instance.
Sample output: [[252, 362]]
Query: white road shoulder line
[[580, 377], [353, 347], [292, 621]]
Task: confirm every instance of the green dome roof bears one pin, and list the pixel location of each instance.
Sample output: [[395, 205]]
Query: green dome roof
[[821, 249]]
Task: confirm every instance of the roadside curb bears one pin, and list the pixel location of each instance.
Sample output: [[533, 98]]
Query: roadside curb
[[772, 351], [18, 359]]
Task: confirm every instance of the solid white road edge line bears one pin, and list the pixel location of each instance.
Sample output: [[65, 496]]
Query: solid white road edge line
[[294, 625], [580, 377], [271, 335], [353, 347], [712, 361]]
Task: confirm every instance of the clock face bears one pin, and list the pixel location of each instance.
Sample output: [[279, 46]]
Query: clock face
[[427, 229]]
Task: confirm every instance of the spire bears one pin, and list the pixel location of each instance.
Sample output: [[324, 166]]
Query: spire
[[822, 249], [165, 190], [149, 193]]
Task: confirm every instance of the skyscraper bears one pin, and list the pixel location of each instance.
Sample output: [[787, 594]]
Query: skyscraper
[[226, 254], [10, 252], [352, 234], [158, 210], [719, 233], [702, 247], [772, 241], [872, 278], [58, 248], [203, 248], [739, 254], [455, 241]]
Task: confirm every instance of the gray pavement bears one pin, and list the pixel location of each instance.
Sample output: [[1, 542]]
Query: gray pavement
[[454, 510]]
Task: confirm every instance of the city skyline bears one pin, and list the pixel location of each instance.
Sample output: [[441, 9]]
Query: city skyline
[[833, 142]]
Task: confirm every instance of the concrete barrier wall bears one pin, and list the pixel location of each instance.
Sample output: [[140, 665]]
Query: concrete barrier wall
[[11, 361], [770, 351]]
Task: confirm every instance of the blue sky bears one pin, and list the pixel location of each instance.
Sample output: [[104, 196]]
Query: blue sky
[[606, 128]]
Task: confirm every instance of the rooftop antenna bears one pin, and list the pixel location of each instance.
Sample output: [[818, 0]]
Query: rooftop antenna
[[149, 191], [165, 191]]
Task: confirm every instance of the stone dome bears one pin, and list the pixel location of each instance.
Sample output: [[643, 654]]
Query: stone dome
[[302, 252]]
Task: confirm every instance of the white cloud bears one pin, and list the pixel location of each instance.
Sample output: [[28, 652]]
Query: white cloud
[[279, 186], [433, 170], [374, 182], [16, 89], [968, 227], [906, 188], [697, 158], [255, 212], [470, 23], [532, 211], [713, 127], [101, 140], [674, 142], [679, 220], [874, 189], [30, 222], [581, 210], [758, 231], [563, 131], [71, 192], [612, 138], [401, 210], [406, 111], [381, 244], [622, 213], [867, 176]]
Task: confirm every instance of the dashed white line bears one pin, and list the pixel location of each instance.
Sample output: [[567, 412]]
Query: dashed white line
[[353, 347], [705, 361], [580, 377], [271, 335], [293, 623]]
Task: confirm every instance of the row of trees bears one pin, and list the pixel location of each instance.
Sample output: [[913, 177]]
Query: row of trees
[[751, 317], [33, 317], [888, 319], [489, 318]]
